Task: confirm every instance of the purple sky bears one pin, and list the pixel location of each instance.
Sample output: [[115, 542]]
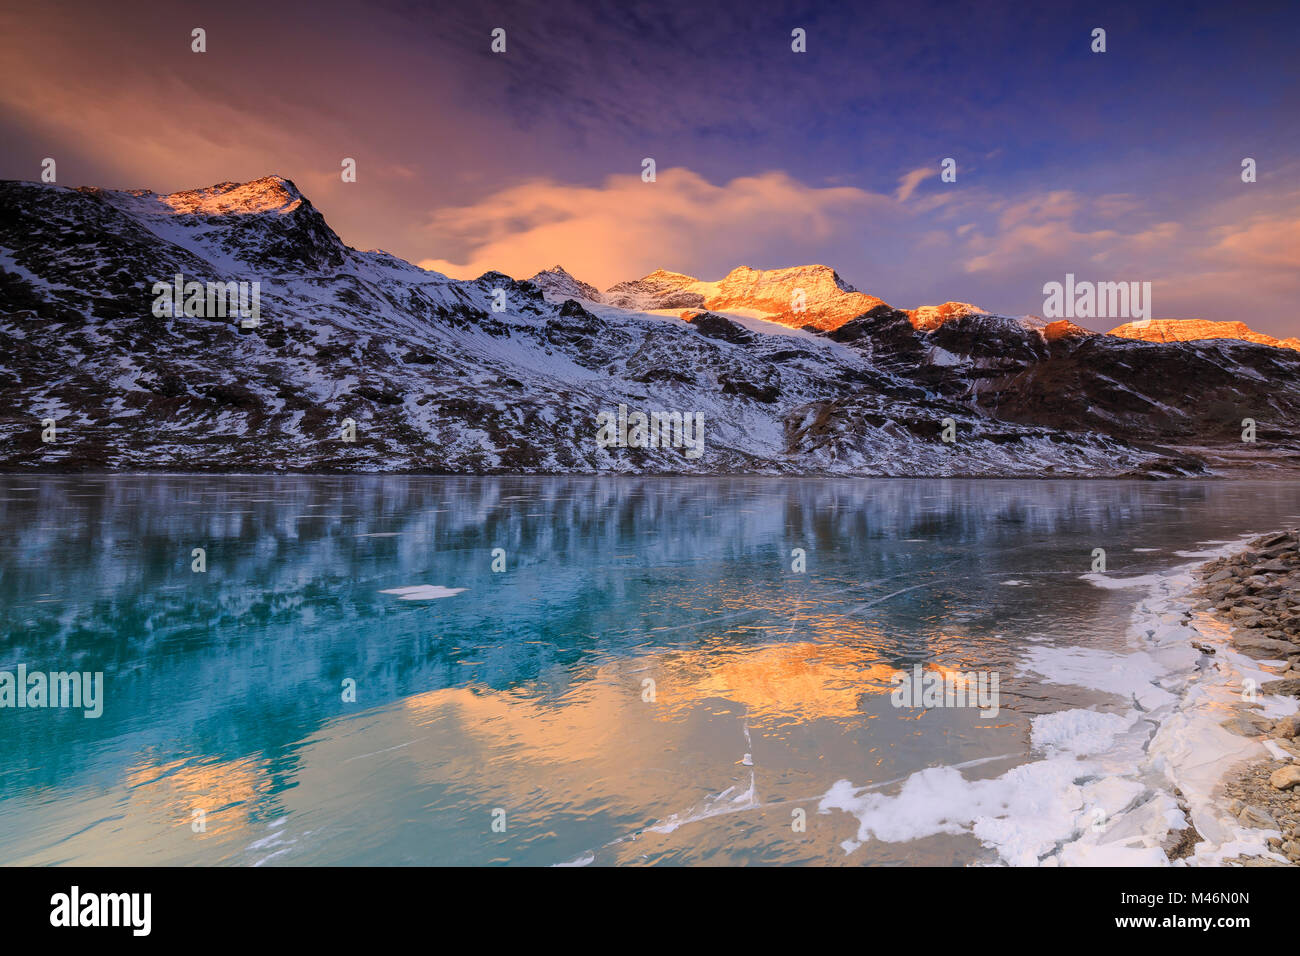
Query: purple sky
[[1117, 166]]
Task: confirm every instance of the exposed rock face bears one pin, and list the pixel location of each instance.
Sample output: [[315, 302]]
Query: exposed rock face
[[1195, 330], [437, 379], [1065, 329], [718, 327], [1192, 394], [930, 317]]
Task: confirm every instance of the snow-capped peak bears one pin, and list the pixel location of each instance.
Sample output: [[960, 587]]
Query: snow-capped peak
[[813, 295], [265, 223], [270, 194], [557, 285], [665, 275]]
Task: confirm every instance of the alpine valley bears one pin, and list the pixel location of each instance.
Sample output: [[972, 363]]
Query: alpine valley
[[792, 370]]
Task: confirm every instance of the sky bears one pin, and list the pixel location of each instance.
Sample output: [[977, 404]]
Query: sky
[[1115, 166]]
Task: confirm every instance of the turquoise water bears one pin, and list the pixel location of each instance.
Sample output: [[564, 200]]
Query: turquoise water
[[521, 700]]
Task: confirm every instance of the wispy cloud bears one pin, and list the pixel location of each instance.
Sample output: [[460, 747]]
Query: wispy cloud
[[908, 183]]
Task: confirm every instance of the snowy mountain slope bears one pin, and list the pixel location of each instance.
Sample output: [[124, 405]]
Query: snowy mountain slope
[[1181, 395], [434, 378]]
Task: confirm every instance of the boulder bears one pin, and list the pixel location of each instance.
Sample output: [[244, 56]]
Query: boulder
[[1254, 642], [1285, 778], [1257, 818], [1287, 688], [1288, 727]]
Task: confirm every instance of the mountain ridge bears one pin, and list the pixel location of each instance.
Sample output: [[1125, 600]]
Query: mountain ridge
[[491, 376], [755, 292]]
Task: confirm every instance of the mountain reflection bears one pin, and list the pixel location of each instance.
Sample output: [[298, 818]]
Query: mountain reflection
[[224, 690]]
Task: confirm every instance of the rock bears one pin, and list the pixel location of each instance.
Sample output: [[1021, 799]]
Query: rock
[[1288, 726], [1244, 726], [1220, 576], [1284, 778], [1257, 819], [1180, 844], [720, 327], [1274, 565], [1254, 642], [1255, 861], [1291, 850], [1287, 688]]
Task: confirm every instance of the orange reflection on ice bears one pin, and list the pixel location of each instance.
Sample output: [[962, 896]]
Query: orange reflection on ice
[[225, 791], [803, 680]]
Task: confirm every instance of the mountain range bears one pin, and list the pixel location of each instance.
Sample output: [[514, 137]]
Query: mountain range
[[360, 361]]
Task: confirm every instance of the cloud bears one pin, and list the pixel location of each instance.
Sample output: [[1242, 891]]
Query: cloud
[[1265, 242], [908, 183], [1034, 228], [1237, 257], [625, 228]]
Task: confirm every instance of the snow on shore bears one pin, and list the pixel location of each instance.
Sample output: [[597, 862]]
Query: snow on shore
[[1109, 789]]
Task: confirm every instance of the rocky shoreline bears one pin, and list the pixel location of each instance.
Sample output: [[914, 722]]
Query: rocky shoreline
[[1256, 594]]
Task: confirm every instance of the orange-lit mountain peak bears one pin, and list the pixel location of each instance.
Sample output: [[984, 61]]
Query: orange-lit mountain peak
[[1192, 330], [927, 317], [269, 194]]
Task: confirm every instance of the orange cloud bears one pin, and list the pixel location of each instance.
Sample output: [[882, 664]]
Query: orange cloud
[[625, 227], [1262, 241]]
